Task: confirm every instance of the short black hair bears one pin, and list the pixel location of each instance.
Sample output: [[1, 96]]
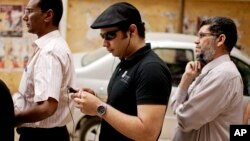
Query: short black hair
[[56, 6], [223, 25], [140, 27]]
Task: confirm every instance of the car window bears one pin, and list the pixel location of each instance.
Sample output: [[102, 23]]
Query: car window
[[244, 70], [176, 59], [93, 56]]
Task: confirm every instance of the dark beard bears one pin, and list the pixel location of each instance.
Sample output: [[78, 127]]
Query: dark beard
[[200, 58]]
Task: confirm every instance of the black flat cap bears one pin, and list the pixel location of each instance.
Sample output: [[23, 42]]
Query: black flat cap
[[117, 14]]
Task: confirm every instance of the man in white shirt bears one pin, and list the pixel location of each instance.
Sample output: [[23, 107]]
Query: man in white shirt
[[43, 107], [209, 97]]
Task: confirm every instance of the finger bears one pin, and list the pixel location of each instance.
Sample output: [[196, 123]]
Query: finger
[[90, 91], [78, 100], [77, 94], [77, 105], [83, 94], [196, 66], [73, 95], [191, 65], [199, 65]]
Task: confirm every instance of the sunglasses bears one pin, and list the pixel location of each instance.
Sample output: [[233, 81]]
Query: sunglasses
[[110, 35]]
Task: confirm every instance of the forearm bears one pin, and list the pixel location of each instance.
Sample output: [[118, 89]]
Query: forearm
[[246, 115], [37, 112], [138, 127], [185, 82], [181, 93], [135, 127]]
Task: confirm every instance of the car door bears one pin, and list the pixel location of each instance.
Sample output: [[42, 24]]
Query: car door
[[176, 59]]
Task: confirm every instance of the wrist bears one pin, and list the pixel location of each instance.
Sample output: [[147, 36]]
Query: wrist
[[186, 81], [187, 78]]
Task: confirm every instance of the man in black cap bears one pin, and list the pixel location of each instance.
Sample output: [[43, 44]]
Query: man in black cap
[[140, 86]]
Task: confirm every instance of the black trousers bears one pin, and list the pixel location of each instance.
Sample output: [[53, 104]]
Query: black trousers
[[43, 134]]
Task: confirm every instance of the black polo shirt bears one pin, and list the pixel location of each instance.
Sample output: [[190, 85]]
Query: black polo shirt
[[142, 79]]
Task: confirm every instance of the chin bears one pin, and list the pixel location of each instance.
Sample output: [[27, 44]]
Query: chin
[[115, 55], [30, 31]]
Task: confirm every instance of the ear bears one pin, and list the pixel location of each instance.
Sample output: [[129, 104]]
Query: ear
[[49, 16], [132, 29], [221, 39]]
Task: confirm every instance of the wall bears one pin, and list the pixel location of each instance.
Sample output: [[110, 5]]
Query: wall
[[158, 15], [13, 48], [238, 10]]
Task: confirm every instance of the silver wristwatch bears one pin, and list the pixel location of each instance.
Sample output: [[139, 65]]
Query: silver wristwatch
[[101, 109]]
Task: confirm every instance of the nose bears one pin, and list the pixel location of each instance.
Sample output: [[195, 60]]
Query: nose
[[105, 43], [25, 17], [197, 41]]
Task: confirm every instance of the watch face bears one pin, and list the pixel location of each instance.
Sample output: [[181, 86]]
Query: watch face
[[101, 110]]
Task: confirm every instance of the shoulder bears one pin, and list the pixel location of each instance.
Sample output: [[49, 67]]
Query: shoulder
[[152, 59], [3, 87], [153, 62], [56, 46], [153, 67], [228, 70], [5, 94]]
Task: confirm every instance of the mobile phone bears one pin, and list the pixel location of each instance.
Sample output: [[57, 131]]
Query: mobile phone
[[72, 90]]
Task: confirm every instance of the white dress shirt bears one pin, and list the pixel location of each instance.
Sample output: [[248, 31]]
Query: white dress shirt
[[48, 74]]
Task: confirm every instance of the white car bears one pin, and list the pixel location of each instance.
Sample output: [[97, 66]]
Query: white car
[[94, 69]]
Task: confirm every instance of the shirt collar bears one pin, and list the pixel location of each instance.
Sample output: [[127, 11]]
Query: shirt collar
[[216, 62], [136, 56], [42, 41]]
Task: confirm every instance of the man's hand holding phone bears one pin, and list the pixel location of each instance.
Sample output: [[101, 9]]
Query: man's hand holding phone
[[77, 93]]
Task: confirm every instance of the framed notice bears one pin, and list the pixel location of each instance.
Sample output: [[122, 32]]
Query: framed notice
[[11, 20]]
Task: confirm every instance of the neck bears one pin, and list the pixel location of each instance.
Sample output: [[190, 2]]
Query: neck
[[135, 45], [47, 30]]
